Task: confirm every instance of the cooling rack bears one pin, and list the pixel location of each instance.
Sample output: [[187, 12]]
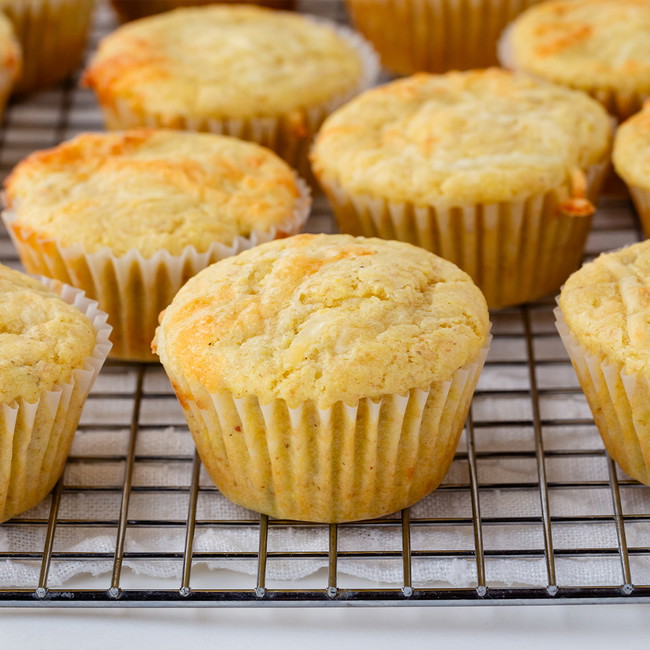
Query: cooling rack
[[529, 440]]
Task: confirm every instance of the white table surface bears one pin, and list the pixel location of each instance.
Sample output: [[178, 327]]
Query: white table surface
[[502, 628]]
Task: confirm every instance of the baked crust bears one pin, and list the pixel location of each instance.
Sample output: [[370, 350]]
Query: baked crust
[[223, 62], [322, 317], [151, 190], [461, 138], [42, 338], [586, 43], [606, 305]]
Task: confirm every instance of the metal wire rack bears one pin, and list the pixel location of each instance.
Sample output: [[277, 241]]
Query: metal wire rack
[[529, 422]]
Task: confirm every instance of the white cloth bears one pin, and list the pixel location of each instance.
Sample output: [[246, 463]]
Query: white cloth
[[501, 503]]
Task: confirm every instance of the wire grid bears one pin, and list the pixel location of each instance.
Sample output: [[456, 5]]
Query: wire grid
[[132, 401]]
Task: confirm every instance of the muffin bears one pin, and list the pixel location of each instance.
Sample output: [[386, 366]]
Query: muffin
[[632, 161], [325, 377], [130, 217], [603, 318], [53, 342], [254, 73], [599, 46], [491, 170], [133, 9], [10, 61], [435, 35], [53, 35]]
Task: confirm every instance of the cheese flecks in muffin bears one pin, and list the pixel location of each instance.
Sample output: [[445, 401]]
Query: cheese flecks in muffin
[[323, 317], [585, 43], [632, 150], [223, 62], [42, 338], [606, 305], [477, 137], [151, 190]]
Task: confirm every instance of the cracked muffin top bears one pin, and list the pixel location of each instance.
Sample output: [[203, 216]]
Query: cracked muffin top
[[42, 338], [322, 317], [606, 305]]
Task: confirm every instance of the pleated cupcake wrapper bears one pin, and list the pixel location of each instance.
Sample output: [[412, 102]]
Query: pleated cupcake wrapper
[[6, 86], [342, 463], [641, 198], [35, 437], [289, 136], [619, 402], [618, 102], [502, 246], [435, 35], [53, 35], [131, 288], [134, 9]]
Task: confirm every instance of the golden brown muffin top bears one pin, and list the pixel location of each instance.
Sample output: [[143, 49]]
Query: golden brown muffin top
[[632, 149], [461, 138], [224, 61], [152, 190], [323, 317], [42, 338], [585, 43], [606, 305]]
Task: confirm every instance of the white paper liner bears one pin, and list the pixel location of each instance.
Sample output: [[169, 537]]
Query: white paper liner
[[641, 198], [53, 36], [619, 103], [134, 289], [343, 463], [502, 246], [619, 402], [278, 133], [134, 9], [35, 437], [435, 35]]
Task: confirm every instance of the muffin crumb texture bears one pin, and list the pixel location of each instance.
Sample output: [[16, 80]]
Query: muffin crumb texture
[[632, 149], [479, 137], [223, 62], [151, 190], [585, 43], [606, 305], [42, 338], [323, 317]]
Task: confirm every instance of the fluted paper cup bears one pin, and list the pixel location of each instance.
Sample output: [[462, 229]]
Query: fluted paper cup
[[289, 135], [53, 36], [641, 198], [35, 438], [502, 246], [619, 402], [344, 463], [133, 289], [134, 9], [435, 35]]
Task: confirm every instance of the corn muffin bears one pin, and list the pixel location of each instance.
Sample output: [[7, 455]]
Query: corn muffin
[[603, 318], [128, 217], [133, 9], [435, 35], [53, 35], [632, 161], [258, 74], [599, 46], [53, 342], [10, 61], [326, 377], [489, 169]]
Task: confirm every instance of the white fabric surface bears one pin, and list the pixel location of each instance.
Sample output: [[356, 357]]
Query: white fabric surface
[[453, 503]]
